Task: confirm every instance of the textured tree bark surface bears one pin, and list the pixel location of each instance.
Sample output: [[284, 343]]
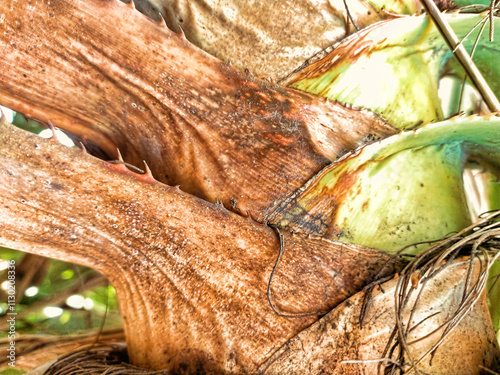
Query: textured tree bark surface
[[191, 277], [104, 71]]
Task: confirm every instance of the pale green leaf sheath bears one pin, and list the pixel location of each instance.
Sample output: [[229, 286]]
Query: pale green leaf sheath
[[402, 190], [393, 7], [393, 68]]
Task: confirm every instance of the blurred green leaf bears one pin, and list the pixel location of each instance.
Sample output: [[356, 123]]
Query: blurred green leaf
[[30, 125], [60, 277], [12, 371]]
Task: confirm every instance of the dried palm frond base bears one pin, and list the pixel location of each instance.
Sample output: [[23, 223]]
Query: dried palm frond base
[[431, 319]]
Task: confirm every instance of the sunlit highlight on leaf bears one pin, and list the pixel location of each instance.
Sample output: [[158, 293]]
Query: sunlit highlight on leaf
[[393, 68]]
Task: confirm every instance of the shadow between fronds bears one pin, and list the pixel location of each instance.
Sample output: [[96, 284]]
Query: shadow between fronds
[[109, 360]]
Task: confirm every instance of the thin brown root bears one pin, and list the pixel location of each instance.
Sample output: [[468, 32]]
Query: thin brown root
[[273, 307], [389, 360]]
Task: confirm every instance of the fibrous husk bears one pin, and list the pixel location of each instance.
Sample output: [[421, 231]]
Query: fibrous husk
[[338, 344], [109, 360], [34, 351]]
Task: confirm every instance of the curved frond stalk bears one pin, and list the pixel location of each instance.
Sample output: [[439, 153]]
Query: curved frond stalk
[[123, 81], [402, 190], [393, 68], [191, 277]]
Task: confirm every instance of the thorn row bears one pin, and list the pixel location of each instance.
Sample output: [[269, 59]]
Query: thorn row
[[54, 135], [123, 167]]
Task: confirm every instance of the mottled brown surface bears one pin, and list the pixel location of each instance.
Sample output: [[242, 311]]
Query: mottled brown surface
[[107, 73], [191, 277]]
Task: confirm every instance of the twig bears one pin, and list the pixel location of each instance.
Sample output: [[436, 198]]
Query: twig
[[371, 361], [462, 56], [493, 4], [488, 370]]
